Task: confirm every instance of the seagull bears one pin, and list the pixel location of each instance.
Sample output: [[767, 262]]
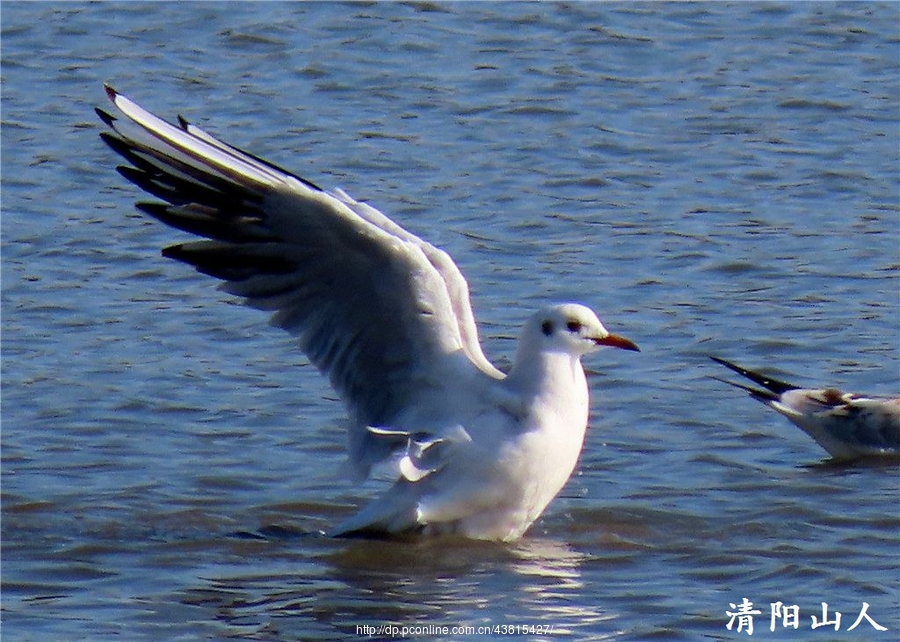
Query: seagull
[[387, 318], [847, 425]]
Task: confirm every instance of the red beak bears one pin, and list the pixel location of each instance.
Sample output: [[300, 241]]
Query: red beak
[[616, 341]]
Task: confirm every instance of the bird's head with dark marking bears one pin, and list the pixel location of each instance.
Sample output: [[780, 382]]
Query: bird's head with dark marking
[[575, 329]]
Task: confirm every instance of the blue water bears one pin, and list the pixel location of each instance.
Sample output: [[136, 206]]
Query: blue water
[[712, 178]]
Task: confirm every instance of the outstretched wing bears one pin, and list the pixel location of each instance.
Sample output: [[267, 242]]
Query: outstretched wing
[[385, 315]]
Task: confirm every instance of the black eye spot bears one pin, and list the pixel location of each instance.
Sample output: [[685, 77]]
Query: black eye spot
[[547, 328], [573, 326]]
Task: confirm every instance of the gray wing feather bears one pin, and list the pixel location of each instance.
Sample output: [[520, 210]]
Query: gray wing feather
[[385, 315]]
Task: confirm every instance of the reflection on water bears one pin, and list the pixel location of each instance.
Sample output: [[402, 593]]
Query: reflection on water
[[580, 570], [554, 569], [320, 586]]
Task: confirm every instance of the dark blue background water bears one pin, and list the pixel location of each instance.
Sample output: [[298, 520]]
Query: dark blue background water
[[713, 178]]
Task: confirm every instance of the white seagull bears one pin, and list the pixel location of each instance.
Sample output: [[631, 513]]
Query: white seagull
[[847, 425], [387, 317]]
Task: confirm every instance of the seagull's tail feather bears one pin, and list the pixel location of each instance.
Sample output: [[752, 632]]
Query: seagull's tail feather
[[403, 508], [393, 513], [773, 387]]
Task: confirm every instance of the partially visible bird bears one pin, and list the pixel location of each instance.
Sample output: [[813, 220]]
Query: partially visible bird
[[847, 425]]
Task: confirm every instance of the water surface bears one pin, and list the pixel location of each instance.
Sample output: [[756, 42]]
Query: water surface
[[712, 178]]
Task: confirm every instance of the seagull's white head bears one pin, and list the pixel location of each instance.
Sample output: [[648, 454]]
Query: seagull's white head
[[573, 329]]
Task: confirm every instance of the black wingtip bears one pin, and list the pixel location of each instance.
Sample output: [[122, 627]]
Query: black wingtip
[[773, 385], [757, 393], [107, 118], [115, 143], [174, 251]]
